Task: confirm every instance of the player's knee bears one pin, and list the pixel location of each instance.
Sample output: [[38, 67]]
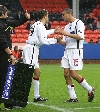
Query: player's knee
[[37, 73], [74, 76], [66, 74]]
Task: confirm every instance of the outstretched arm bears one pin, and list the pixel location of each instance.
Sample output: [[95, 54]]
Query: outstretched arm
[[43, 36], [15, 23]]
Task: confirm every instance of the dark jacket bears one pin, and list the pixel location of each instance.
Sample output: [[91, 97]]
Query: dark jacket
[[5, 40], [18, 16], [90, 20]]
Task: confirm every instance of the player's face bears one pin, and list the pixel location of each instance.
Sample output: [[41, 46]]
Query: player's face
[[66, 16]]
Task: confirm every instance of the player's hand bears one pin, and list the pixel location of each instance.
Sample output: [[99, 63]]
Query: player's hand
[[63, 32], [57, 30], [13, 60], [27, 15], [58, 37]]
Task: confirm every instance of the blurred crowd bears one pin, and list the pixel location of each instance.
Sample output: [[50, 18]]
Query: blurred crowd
[[91, 19], [90, 22]]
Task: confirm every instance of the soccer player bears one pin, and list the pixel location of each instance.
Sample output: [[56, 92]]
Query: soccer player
[[37, 37], [72, 60]]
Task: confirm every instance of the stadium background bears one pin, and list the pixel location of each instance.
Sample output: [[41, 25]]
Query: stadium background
[[53, 53], [52, 81]]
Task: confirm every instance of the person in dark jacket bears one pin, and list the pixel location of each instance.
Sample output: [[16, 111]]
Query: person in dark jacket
[[9, 24], [19, 15], [5, 47]]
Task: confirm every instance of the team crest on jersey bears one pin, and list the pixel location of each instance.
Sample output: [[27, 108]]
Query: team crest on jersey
[[73, 32]]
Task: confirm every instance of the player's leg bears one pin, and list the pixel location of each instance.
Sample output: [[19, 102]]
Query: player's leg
[[75, 65], [70, 86], [36, 77], [36, 84], [69, 83], [84, 84], [30, 56]]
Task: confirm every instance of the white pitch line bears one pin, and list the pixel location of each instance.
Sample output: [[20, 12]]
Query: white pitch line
[[85, 108], [61, 109], [52, 107]]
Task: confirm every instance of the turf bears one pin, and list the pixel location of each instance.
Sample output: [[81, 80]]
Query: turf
[[52, 86]]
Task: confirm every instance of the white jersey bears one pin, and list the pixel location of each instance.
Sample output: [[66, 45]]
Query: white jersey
[[76, 27], [38, 35]]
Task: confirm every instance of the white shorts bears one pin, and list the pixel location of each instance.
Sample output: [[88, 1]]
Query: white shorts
[[30, 55], [72, 59]]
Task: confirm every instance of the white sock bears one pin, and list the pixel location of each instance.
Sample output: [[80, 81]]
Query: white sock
[[36, 88], [85, 85], [71, 91]]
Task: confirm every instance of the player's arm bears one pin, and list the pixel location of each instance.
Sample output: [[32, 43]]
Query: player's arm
[[51, 31], [43, 36], [62, 43], [75, 36], [80, 32]]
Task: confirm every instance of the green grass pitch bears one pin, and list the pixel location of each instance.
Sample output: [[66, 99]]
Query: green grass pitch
[[52, 86]]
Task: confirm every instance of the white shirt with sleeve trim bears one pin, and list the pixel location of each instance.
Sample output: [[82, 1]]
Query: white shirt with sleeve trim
[[38, 35], [70, 28]]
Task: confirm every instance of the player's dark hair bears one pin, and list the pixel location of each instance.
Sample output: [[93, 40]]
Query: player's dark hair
[[42, 13], [3, 10], [68, 10]]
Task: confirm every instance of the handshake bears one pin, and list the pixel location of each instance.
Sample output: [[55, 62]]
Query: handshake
[[59, 31]]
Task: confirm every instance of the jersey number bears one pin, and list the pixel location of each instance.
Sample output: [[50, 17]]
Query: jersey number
[[32, 31]]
